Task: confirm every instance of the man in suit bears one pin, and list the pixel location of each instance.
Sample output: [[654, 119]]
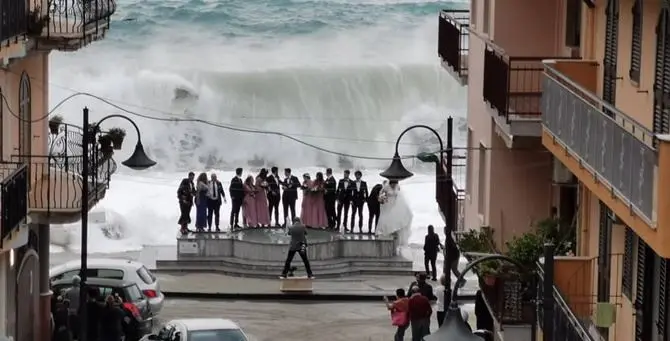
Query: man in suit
[[274, 193], [373, 206], [359, 194], [343, 199], [236, 190], [215, 194], [185, 194], [298, 233], [330, 197], [290, 195]]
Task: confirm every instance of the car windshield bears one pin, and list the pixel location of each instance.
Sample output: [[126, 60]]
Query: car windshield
[[216, 335]]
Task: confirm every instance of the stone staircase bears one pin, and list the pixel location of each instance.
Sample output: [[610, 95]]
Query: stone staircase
[[344, 267]]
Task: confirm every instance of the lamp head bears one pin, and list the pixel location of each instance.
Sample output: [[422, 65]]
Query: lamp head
[[396, 171], [454, 328], [428, 157], [139, 160]]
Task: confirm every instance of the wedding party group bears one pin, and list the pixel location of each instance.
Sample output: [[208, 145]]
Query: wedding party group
[[326, 202]]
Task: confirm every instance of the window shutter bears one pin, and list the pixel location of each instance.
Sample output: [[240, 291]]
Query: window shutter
[[636, 44], [611, 50], [627, 275], [639, 291], [661, 122], [604, 254]]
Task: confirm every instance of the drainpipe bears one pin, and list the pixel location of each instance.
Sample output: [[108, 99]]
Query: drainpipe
[[45, 291]]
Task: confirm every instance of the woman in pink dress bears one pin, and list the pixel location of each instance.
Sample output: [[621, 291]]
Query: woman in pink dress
[[249, 203], [314, 208], [262, 210]]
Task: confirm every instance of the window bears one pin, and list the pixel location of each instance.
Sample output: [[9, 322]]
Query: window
[[134, 294], [105, 273], [65, 275], [486, 17], [146, 276], [481, 182], [636, 43], [627, 274], [468, 165], [473, 12], [573, 23], [25, 134]]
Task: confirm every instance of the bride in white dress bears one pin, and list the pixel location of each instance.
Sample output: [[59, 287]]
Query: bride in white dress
[[395, 216]]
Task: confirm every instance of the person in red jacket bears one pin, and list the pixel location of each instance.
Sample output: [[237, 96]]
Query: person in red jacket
[[419, 314]]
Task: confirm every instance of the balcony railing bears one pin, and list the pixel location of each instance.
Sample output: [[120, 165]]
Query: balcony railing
[[72, 19], [444, 193], [511, 299], [13, 197], [615, 148], [513, 85], [567, 326], [452, 44], [13, 20]]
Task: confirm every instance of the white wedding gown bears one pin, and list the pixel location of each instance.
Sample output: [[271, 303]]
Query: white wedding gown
[[395, 216]]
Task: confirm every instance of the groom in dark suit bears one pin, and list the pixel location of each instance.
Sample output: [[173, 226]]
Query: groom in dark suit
[[274, 193], [290, 196], [359, 194], [215, 194], [343, 199], [236, 190], [330, 197], [374, 206]]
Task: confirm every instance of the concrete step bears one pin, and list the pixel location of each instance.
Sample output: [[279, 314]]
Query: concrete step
[[273, 272], [279, 264]]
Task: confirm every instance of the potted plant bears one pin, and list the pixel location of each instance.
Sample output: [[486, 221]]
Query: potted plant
[[489, 271], [93, 130], [36, 22], [117, 135], [54, 124], [526, 249], [475, 241], [106, 144]]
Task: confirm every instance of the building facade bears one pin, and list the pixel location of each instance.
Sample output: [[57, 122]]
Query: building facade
[[39, 167], [596, 147]]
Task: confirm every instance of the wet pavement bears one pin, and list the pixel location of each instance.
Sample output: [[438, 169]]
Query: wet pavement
[[288, 321]]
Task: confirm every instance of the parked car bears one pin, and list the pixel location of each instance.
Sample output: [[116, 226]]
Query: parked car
[[134, 301], [199, 329], [124, 269]]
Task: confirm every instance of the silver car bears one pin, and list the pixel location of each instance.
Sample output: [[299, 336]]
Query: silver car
[[199, 329], [121, 269]]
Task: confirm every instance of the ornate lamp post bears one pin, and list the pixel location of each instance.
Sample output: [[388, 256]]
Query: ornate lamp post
[[454, 328], [138, 161]]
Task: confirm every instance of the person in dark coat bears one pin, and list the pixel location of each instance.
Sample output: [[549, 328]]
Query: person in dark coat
[[111, 315], [330, 197], [185, 194], [374, 206], [61, 320], [274, 193], [431, 247], [424, 288], [344, 194], [236, 190], [453, 255], [290, 184], [93, 307]]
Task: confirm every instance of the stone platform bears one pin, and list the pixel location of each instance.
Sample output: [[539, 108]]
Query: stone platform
[[260, 253]]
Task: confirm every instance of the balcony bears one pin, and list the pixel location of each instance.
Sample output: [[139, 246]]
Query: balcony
[[13, 202], [13, 28], [56, 186], [611, 153], [69, 24], [444, 192], [513, 89], [452, 43]]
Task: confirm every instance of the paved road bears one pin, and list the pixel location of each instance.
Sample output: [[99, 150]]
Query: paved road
[[294, 321]]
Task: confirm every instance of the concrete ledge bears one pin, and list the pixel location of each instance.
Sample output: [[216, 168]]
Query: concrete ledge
[[289, 296]]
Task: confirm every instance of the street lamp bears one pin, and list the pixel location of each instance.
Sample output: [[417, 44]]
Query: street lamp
[[454, 328], [397, 171], [138, 161]]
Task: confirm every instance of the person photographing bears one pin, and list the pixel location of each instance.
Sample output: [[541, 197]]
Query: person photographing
[[298, 244]]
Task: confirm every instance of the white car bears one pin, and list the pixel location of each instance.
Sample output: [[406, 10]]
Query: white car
[[122, 269], [199, 329]]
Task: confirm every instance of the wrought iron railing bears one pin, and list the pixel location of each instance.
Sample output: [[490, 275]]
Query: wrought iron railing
[[74, 18], [511, 298], [616, 149], [513, 85], [567, 326], [13, 20], [452, 43], [13, 197]]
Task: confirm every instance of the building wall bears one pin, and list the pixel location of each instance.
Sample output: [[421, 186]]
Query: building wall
[[36, 65]]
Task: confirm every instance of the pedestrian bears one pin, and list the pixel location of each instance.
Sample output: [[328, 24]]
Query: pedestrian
[[419, 314], [399, 313], [93, 315], [431, 247], [61, 320], [72, 296], [298, 234], [441, 294], [111, 317], [424, 288]]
